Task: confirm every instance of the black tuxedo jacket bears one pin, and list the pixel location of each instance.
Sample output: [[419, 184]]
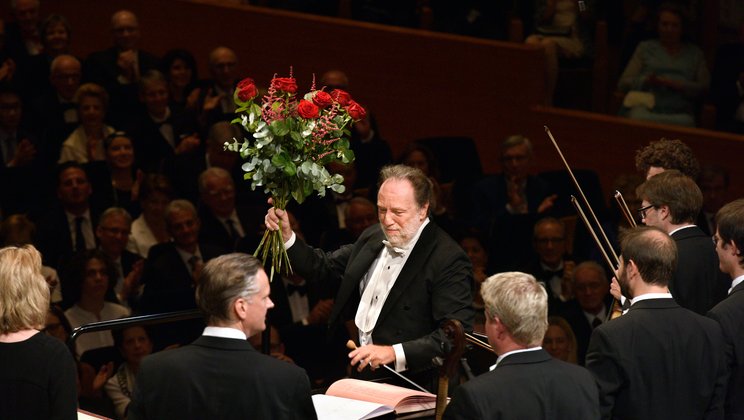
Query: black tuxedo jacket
[[220, 378], [659, 361], [151, 147], [54, 237], [697, 283], [214, 232], [582, 329], [435, 284], [730, 314], [529, 385]]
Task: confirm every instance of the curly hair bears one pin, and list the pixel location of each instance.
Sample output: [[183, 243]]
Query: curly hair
[[668, 154]]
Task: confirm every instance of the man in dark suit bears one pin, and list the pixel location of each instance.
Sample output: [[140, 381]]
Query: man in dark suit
[[119, 67], [112, 233], [672, 201], [647, 363], [505, 206], [729, 313], [526, 382], [397, 283], [172, 270], [551, 267], [590, 306], [220, 375], [70, 226]]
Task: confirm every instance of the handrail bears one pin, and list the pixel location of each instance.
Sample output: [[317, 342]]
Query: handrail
[[133, 320]]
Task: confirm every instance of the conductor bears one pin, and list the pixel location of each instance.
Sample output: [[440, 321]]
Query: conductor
[[397, 283]]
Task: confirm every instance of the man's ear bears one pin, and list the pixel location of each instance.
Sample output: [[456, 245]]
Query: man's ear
[[240, 308]]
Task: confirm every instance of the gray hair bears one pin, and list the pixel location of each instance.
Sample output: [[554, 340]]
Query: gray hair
[[115, 211], [223, 280], [179, 205], [213, 171], [422, 186], [521, 304]]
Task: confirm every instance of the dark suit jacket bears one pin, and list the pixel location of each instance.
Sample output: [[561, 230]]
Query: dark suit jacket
[[529, 385], [54, 237], [489, 198], [582, 329], [697, 284], [214, 232], [220, 378], [730, 314], [435, 284], [167, 279], [151, 147], [659, 361]]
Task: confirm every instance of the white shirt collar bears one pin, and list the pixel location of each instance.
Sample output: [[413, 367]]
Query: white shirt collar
[[224, 332], [736, 282], [680, 228], [648, 296], [500, 358]]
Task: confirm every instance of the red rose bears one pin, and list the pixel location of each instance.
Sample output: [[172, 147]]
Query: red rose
[[247, 90], [285, 84], [341, 96], [322, 99], [356, 111], [307, 109]]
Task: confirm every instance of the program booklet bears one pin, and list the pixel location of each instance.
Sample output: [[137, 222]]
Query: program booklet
[[356, 399]]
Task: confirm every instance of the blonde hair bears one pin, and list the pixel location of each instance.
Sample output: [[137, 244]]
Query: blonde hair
[[521, 304], [570, 336], [24, 294]]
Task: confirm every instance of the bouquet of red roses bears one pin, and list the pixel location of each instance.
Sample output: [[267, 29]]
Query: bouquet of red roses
[[291, 140]]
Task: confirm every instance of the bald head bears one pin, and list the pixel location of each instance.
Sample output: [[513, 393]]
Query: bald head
[[125, 30], [64, 75], [223, 65]]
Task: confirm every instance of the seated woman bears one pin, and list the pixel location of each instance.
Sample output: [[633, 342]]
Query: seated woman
[[37, 372], [666, 77], [87, 277], [149, 228], [134, 344], [180, 70], [560, 340], [125, 177], [85, 144], [559, 35]]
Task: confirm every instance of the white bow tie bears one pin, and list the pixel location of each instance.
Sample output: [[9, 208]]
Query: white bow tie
[[394, 249]]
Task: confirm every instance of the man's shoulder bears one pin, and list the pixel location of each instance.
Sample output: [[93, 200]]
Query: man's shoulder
[[731, 307]]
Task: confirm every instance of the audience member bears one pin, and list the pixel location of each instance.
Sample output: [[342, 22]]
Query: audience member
[[37, 372], [672, 202], [647, 363], [421, 157], [667, 77], [667, 154], [23, 159], [172, 270], [233, 294], [69, 226], [183, 170], [7, 64], [112, 232], [121, 176], [134, 344], [180, 70], [159, 131], [149, 228], [213, 100], [57, 325], [503, 206], [85, 282], [590, 307], [531, 384], [23, 37], [55, 38], [714, 184], [553, 268], [560, 340], [223, 224], [359, 214], [559, 33], [56, 109], [729, 239], [119, 67], [18, 230], [85, 143]]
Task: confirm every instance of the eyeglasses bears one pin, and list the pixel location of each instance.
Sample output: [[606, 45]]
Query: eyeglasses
[[545, 241], [642, 211]]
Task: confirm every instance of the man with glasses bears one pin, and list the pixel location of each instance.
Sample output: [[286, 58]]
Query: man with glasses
[[112, 232], [729, 240], [672, 201], [551, 268]]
